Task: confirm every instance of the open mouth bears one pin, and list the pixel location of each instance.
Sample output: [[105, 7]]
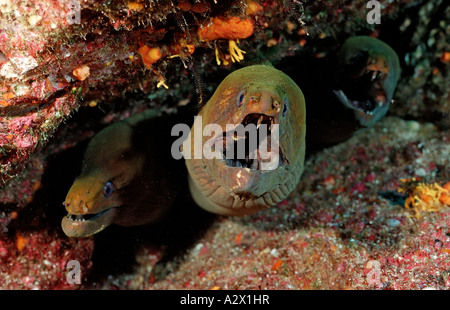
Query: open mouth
[[365, 93], [87, 217], [255, 145]]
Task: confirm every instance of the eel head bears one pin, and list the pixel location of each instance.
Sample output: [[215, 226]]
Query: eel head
[[366, 79], [259, 152], [93, 201]]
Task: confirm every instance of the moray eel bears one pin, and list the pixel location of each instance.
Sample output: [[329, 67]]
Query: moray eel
[[346, 90], [266, 100], [368, 72], [128, 177]]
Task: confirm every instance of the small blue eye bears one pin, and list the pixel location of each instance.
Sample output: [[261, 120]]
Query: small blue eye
[[240, 98], [286, 107], [108, 189]]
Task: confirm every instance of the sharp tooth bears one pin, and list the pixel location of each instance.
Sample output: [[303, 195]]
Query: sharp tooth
[[374, 75], [79, 218], [260, 119]]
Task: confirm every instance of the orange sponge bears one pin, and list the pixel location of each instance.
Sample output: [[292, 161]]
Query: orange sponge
[[226, 28]]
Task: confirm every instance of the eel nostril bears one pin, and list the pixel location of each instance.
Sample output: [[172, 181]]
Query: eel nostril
[[85, 208], [253, 99], [276, 105]]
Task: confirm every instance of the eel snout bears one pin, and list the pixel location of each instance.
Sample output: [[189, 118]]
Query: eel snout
[[263, 102], [75, 205], [83, 196], [86, 215]]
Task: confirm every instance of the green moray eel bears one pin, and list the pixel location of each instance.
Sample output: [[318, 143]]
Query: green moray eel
[[239, 185], [128, 177], [368, 72]]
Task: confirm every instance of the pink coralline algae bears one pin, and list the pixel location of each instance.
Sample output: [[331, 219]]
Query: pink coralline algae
[[38, 260]]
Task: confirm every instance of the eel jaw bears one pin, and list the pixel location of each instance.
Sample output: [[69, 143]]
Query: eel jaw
[[255, 165], [87, 224], [365, 95], [245, 178]]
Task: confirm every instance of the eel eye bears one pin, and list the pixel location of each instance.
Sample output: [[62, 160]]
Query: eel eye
[[240, 98], [285, 107], [108, 189]]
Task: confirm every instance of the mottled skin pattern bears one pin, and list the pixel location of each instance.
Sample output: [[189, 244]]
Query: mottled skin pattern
[[223, 189], [134, 156], [368, 72]]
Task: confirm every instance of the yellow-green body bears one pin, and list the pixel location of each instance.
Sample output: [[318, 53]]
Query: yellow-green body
[[134, 156], [221, 189]]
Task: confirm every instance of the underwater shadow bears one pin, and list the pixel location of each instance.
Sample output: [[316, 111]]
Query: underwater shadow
[[116, 247]]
